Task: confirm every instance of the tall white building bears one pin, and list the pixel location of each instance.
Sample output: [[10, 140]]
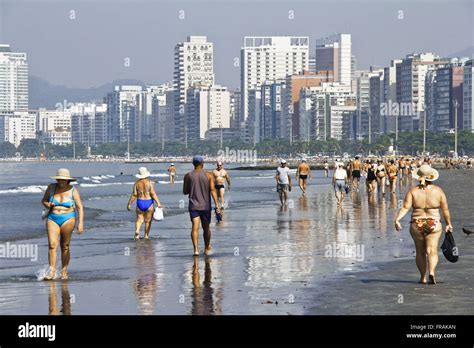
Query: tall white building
[[207, 108], [389, 97], [468, 100], [326, 112], [411, 76], [123, 105], [55, 126], [17, 125], [265, 59], [193, 67], [13, 80], [335, 53]]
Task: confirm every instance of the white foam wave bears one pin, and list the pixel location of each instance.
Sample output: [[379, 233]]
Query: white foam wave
[[96, 177], [161, 175], [106, 184], [110, 176], [167, 182], [25, 189], [42, 272], [86, 178], [96, 181]]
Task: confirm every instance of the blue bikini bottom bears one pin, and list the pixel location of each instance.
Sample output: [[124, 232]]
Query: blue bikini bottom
[[60, 219], [144, 204]]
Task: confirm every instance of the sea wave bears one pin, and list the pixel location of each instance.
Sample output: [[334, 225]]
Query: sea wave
[[161, 175], [167, 182], [25, 189], [106, 184]]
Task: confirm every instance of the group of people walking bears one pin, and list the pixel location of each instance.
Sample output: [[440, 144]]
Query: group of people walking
[[65, 209]]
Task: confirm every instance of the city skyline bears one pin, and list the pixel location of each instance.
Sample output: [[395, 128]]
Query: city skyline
[[59, 59]]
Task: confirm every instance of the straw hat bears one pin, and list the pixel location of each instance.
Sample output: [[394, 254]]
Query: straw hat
[[143, 173], [63, 174], [425, 172]]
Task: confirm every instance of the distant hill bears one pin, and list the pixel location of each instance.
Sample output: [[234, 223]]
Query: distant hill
[[467, 52], [46, 95]]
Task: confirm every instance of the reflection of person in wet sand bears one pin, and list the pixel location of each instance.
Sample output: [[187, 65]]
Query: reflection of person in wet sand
[[302, 174], [144, 193], [61, 199], [425, 226], [202, 295], [65, 298], [146, 284]]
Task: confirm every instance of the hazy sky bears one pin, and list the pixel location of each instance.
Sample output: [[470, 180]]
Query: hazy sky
[[90, 50]]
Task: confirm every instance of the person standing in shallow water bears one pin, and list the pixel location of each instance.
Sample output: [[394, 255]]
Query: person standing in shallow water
[[425, 226], [172, 172], [144, 193], [62, 199], [199, 185]]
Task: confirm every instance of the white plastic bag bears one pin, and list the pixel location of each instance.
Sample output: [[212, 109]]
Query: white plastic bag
[[158, 214]]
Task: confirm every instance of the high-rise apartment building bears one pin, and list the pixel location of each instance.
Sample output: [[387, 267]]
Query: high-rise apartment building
[[468, 101], [265, 59], [17, 125], [335, 53], [193, 67], [13, 80]]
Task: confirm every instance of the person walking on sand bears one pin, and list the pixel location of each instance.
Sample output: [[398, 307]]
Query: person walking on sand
[[425, 226], [144, 192], [199, 185], [62, 201], [220, 178], [302, 174], [172, 172], [326, 169], [355, 169], [380, 172], [339, 181], [283, 181], [392, 172]]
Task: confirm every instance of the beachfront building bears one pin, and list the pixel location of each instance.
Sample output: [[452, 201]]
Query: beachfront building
[[13, 80], [54, 126], [160, 122], [443, 87], [411, 75], [264, 59], [123, 104], [327, 112], [193, 66], [206, 107], [376, 89], [335, 53], [17, 125], [389, 98], [468, 101], [235, 104], [88, 123], [290, 128]]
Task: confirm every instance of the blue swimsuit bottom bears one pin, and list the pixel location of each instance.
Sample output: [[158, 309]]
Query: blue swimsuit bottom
[[61, 218], [144, 204]]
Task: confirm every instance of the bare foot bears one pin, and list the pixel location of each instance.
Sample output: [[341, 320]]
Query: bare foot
[[51, 274], [137, 236], [422, 281], [64, 274], [147, 236], [196, 253], [208, 250], [432, 279]]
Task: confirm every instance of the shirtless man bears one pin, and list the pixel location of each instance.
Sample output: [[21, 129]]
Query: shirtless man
[[401, 167], [392, 172], [356, 168], [220, 177], [302, 174], [425, 226], [326, 169], [172, 172]]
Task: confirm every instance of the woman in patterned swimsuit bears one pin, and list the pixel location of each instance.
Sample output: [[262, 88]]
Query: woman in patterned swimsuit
[[425, 226]]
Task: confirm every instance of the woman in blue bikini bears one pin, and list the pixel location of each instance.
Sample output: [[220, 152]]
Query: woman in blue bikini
[[144, 193], [62, 200]]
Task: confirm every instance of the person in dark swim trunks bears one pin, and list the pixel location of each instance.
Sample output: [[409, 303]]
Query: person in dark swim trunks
[[144, 193], [355, 168], [302, 174], [199, 185]]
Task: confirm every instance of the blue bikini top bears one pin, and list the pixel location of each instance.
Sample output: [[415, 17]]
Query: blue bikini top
[[67, 204]]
